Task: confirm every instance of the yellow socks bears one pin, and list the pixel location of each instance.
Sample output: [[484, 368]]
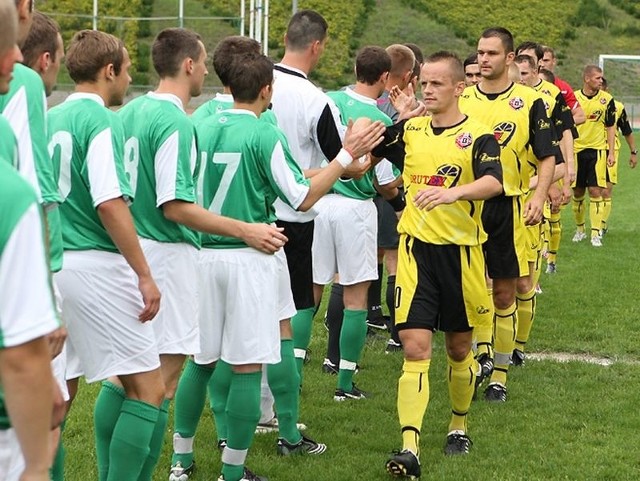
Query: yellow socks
[[606, 211], [526, 312], [506, 325], [579, 212], [596, 213], [461, 379], [413, 397]]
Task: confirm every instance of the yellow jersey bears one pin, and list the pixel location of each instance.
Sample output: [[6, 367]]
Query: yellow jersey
[[600, 110], [622, 123]]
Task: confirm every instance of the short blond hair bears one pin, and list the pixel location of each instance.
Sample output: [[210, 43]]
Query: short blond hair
[[402, 59]]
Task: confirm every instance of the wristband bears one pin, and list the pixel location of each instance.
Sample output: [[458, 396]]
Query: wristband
[[398, 203], [344, 158]]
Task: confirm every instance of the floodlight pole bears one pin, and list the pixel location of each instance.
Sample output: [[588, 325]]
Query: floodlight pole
[[265, 41], [181, 13], [242, 8], [95, 14], [294, 6]]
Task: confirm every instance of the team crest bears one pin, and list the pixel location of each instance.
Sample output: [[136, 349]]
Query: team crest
[[603, 101], [464, 140], [547, 92], [516, 103], [503, 132], [223, 120], [449, 172]]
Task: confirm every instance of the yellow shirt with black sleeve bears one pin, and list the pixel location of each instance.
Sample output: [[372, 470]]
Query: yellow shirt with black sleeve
[[442, 157], [622, 124], [519, 120], [600, 111], [561, 114]]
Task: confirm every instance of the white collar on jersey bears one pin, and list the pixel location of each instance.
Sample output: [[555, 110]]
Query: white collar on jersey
[[226, 98], [241, 112], [85, 95], [292, 69], [365, 100], [167, 98]]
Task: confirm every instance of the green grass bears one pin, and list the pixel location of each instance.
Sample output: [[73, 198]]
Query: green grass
[[562, 421]]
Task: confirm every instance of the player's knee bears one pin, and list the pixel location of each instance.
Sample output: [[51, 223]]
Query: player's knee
[[416, 344]]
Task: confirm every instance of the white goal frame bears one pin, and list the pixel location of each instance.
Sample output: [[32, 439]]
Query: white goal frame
[[603, 57]]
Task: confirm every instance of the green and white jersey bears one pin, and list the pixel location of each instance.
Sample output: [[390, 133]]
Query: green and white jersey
[[246, 165], [25, 106], [225, 102], [8, 143], [160, 150], [353, 106], [86, 141]]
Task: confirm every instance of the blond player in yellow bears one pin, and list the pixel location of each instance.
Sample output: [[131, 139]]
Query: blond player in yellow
[[451, 163], [622, 125], [594, 150]]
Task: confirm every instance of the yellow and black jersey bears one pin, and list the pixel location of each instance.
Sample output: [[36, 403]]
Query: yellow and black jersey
[[519, 120], [622, 123], [600, 110], [442, 157], [561, 114]]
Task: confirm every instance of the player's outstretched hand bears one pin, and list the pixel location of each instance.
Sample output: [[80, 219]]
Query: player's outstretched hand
[[150, 297], [434, 196], [265, 238], [360, 138], [56, 341], [533, 211]]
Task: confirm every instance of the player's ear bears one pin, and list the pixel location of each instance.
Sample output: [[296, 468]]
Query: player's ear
[[459, 88], [188, 65], [109, 71], [44, 62]]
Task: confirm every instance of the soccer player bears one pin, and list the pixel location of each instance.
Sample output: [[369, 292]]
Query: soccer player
[[160, 143], [43, 50], [27, 312], [345, 236], [622, 125], [311, 124], [519, 120], [472, 70], [595, 150], [548, 60], [248, 165], [451, 164], [108, 293]]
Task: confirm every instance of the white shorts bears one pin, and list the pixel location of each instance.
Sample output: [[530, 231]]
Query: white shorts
[[174, 268], [345, 240], [286, 306], [59, 364], [73, 369], [101, 303], [239, 306], [11, 460]]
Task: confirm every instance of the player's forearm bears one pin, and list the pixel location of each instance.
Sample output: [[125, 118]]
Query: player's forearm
[[116, 218], [25, 372], [567, 144], [483, 188], [611, 138], [321, 183], [546, 174], [631, 142], [579, 117], [198, 218]]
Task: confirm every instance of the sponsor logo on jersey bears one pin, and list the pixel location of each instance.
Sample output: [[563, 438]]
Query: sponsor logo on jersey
[[546, 105], [484, 157], [516, 103], [603, 101], [482, 310], [595, 115], [451, 172], [503, 132], [223, 120], [464, 140], [543, 124], [432, 180], [412, 128]]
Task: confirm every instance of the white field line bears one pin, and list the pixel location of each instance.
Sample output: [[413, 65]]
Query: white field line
[[565, 357]]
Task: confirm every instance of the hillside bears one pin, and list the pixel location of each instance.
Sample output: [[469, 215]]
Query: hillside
[[579, 30]]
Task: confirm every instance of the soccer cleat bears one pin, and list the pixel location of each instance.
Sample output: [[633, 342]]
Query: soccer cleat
[[392, 346], [222, 443], [496, 392], [355, 393], [404, 463], [377, 323], [179, 473], [328, 367], [551, 268], [596, 241], [579, 236], [485, 364], [457, 443], [272, 426], [517, 358], [248, 475], [305, 446], [603, 231], [538, 288]]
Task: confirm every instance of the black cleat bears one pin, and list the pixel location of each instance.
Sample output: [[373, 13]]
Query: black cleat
[[355, 394], [496, 392], [392, 346], [305, 446], [457, 443], [517, 358], [328, 367], [404, 464]]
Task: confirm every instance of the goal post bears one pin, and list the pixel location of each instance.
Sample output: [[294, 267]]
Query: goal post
[[603, 57]]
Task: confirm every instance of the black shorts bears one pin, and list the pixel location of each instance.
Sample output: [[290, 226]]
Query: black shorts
[[505, 247], [591, 168], [440, 287], [298, 251], [388, 236]]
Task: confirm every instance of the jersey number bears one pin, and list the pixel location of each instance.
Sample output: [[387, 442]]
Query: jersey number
[[232, 162], [131, 159], [62, 142]]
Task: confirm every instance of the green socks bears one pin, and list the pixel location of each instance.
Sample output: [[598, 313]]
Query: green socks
[[106, 414], [131, 439], [157, 439], [218, 388], [301, 325], [243, 413], [352, 339], [284, 382]]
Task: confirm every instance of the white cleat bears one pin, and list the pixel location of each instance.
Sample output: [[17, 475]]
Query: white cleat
[[596, 241], [579, 236]]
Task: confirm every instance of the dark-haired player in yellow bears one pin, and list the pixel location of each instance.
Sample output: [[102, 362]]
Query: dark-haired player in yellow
[[595, 149], [518, 117], [451, 163], [622, 125]]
